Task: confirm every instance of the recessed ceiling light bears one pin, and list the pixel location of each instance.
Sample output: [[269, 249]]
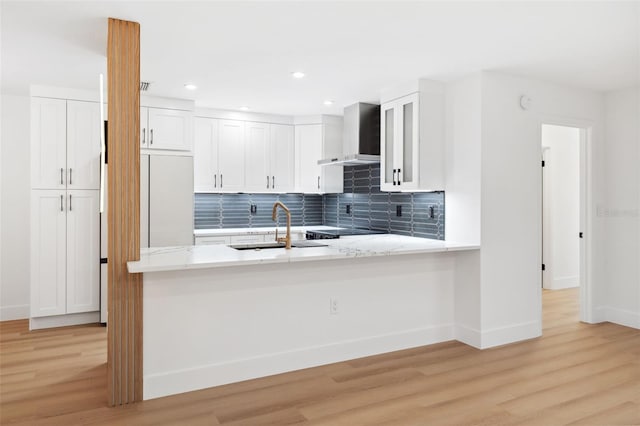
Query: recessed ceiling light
[[244, 108], [190, 86], [328, 102], [297, 74]]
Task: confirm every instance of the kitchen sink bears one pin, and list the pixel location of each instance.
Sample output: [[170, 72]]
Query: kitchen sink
[[275, 245]]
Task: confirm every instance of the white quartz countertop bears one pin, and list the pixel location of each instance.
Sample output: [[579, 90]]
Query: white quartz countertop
[[258, 230], [215, 256]]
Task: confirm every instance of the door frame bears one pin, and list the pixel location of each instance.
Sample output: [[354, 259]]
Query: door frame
[[586, 200]]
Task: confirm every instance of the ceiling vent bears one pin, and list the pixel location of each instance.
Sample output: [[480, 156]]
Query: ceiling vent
[[144, 86]]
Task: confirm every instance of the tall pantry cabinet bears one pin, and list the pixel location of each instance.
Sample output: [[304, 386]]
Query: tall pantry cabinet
[[65, 213]]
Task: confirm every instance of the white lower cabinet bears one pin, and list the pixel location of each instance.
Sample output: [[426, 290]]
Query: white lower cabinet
[[247, 239], [65, 252], [221, 240]]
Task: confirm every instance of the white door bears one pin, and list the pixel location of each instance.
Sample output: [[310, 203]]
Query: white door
[[48, 252], [308, 152], [144, 127], [170, 201], [205, 155], [83, 251], [144, 201], [83, 145], [48, 143], [257, 153], [231, 156], [282, 155], [169, 129]]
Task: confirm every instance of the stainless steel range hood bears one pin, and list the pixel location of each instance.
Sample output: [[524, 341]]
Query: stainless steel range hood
[[360, 136]]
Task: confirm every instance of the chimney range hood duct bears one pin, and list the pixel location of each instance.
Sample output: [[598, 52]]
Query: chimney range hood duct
[[360, 136]]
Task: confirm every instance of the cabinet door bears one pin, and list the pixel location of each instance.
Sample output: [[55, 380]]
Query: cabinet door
[[205, 155], [407, 140], [388, 172], [48, 143], [256, 164], [83, 145], [308, 151], [221, 240], [169, 129], [144, 127], [231, 156], [170, 201], [83, 251], [48, 252], [282, 155]]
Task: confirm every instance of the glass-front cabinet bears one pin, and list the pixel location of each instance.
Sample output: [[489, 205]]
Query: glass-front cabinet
[[400, 140]]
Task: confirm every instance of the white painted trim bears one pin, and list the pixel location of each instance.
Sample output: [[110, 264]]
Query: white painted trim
[[167, 103], [66, 93], [205, 376], [14, 312], [468, 335], [318, 119], [564, 282], [621, 316], [64, 320], [244, 116], [511, 334]]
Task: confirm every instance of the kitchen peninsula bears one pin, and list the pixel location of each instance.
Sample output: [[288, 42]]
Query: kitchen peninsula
[[233, 315]]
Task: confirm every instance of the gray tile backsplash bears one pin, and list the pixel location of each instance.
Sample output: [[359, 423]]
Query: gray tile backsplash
[[422, 213]]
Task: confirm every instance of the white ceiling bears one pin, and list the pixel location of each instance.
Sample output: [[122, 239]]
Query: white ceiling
[[240, 53]]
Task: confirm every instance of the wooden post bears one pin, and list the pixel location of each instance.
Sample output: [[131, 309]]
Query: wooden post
[[124, 358]]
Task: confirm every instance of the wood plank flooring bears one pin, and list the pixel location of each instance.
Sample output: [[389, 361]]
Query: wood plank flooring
[[576, 374]]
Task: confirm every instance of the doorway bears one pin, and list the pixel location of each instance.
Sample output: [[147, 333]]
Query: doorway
[[563, 151]]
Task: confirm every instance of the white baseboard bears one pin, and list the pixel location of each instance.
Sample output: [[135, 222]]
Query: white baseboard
[[619, 316], [64, 320], [563, 282], [14, 312], [510, 334], [205, 376], [469, 336]]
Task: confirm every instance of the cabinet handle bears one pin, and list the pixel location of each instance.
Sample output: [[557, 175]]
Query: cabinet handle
[[318, 182], [215, 180], [144, 135], [220, 180], [61, 201], [267, 182], [394, 176], [273, 182], [151, 136], [61, 176], [70, 176], [70, 207], [399, 181]]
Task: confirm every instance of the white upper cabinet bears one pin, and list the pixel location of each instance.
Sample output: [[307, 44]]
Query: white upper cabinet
[[48, 143], [83, 254], [231, 156], [314, 142], [258, 175], [282, 157], [167, 129], [412, 140], [205, 155], [65, 144], [83, 145]]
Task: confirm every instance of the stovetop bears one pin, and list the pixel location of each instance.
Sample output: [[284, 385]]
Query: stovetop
[[333, 234]]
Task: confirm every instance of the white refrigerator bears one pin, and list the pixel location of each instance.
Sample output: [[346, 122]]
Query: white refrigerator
[[166, 209]]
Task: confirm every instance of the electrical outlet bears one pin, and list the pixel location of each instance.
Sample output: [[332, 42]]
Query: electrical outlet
[[349, 209], [254, 209], [432, 213], [334, 307], [399, 210]]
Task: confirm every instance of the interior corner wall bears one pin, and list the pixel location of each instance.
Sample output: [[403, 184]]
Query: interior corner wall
[[511, 199], [15, 171], [621, 209]]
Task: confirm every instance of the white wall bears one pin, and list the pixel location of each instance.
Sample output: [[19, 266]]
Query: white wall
[[511, 199], [621, 209], [14, 276], [561, 209]]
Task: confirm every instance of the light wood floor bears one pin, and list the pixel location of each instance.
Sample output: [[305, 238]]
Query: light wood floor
[[575, 374]]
